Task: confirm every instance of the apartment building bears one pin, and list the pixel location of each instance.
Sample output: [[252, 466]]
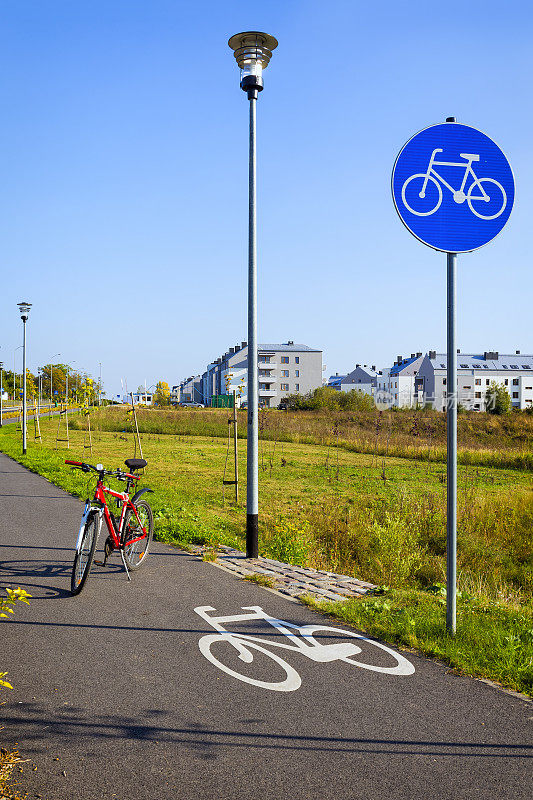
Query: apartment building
[[361, 379], [284, 369], [190, 390], [475, 373]]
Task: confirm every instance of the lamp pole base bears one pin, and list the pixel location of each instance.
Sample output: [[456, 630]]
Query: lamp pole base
[[252, 536]]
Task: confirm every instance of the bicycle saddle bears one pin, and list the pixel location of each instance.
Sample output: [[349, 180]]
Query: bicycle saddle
[[470, 156], [135, 463]]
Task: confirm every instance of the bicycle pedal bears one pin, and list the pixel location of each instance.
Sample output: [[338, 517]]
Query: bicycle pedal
[[100, 563]]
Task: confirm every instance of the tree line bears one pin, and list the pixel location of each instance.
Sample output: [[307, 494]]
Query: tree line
[[51, 382]]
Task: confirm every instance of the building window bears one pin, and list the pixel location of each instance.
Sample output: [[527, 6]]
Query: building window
[[297, 359], [506, 382], [284, 359], [284, 387], [264, 359], [297, 373], [515, 395], [297, 387], [444, 381], [478, 394], [515, 381], [284, 373], [467, 387], [478, 381], [487, 382]]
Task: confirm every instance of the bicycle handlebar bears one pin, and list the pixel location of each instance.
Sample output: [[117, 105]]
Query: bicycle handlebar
[[117, 473]]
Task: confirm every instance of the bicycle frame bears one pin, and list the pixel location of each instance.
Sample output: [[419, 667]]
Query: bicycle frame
[[301, 637], [467, 168], [101, 506]]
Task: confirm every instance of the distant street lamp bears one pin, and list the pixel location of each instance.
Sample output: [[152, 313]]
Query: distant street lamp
[[253, 51], [24, 309], [51, 377]]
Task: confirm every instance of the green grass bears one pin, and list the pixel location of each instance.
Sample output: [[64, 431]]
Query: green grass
[[380, 519]]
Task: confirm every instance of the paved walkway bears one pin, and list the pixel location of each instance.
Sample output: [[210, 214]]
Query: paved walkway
[[293, 581], [127, 691]]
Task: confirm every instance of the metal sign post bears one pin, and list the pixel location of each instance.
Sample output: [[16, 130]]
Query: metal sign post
[[453, 189], [451, 442]]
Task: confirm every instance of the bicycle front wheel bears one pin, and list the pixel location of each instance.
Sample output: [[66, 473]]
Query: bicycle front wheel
[[490, 204], [392, 663], [136, 552], [84, 555]]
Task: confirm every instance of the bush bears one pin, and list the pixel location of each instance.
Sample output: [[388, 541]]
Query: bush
[[497, 399]]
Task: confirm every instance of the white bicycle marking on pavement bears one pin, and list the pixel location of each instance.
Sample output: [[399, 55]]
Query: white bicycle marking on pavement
[[301, 640], [459, 196]]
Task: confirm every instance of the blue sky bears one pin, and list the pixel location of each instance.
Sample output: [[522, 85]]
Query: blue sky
[[123, 163]]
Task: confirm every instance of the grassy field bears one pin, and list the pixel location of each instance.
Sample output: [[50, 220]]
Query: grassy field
[[325, 505], [483, 439]]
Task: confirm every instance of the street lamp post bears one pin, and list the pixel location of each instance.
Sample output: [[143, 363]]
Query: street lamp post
[[253, 51], [51, 380], [24, 309]]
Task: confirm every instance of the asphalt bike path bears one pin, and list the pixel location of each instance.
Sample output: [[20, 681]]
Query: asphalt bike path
[[127, 692]]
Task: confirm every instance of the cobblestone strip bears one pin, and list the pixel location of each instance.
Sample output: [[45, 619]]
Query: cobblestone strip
[[291, 580]]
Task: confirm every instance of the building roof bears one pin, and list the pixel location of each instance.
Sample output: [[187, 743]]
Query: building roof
[[409, 366], [362, 371], [476, 361], [291, 347], [335, 380]]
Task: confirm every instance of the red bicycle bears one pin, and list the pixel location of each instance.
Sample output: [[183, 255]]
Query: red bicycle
[[131, 534]]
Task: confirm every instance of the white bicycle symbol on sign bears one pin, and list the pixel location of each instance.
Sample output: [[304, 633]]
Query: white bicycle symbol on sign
[[301, 640], [487, 193]]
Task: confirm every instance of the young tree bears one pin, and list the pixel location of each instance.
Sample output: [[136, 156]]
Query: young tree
[[497, 399], [162, 394]]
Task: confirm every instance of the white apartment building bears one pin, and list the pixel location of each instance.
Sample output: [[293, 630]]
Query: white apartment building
[[475, 373], [361, 379], [395, 386], [284, 369]]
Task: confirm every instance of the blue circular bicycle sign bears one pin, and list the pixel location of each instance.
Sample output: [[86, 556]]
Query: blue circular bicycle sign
[[453, 188]]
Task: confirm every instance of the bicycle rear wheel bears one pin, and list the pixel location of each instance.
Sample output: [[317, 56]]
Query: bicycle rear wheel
[[85, 555], [135, 553]]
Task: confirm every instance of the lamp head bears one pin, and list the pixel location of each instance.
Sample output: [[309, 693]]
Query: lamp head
[[24, 309], [253, 51]]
